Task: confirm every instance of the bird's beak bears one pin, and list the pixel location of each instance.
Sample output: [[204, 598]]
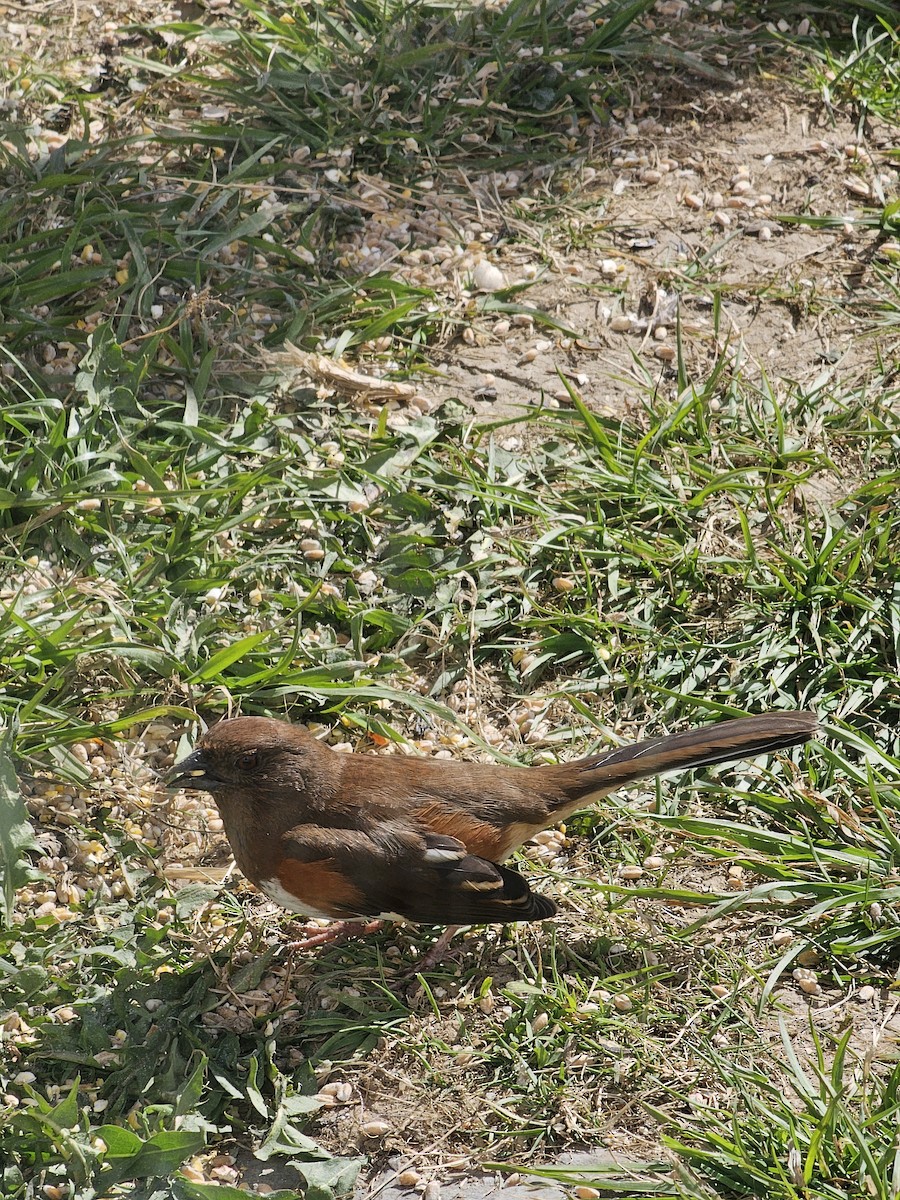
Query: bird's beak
[[194, 773]]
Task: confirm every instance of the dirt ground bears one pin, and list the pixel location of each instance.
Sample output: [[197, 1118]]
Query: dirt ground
[[662, 251]]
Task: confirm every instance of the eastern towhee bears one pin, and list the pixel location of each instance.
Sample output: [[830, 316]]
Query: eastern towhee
[[349, 836]]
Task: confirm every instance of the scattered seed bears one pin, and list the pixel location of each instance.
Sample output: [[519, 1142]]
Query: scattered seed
[[374, 1128], [623, 1003], [487, 277]]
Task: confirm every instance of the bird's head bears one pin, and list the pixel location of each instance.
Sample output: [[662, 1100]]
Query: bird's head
[[257, 757]]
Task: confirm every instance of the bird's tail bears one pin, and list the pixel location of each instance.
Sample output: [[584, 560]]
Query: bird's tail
[[724, 742]]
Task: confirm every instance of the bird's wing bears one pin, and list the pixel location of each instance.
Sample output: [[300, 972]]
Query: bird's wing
[[400, 870]]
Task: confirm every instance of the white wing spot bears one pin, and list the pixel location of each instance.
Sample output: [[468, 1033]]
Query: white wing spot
[[438, 855]]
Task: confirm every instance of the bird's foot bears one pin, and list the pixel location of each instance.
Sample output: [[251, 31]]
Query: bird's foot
[[337, 931], [436, 953]]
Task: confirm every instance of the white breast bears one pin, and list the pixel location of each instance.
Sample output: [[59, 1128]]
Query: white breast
[[273, 889]]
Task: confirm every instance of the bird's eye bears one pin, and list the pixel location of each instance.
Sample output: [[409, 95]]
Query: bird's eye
[[248, 761]]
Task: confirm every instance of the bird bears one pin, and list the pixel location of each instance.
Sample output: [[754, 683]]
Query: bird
[[357, 839]]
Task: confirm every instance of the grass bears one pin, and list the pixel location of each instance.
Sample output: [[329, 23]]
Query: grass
[[185, 533]]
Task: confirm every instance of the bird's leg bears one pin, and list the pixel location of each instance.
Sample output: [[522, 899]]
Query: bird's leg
[[337, 931], [433, 956]]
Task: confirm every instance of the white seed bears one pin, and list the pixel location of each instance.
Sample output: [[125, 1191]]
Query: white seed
[[621, 324], [609, 267], [501, 328], [650, 175], [809, 986], [374, 1128], [630, 871], [653, 862], [692, 200], [781, 937], [329, 1089], [722, 218], [866, 993], [563, 585], [622, 1003], [541, 1021], [90, 505], [487, 277], [660, 333], [765, 234], [587, 1009], [858, 187], [742, 186]]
